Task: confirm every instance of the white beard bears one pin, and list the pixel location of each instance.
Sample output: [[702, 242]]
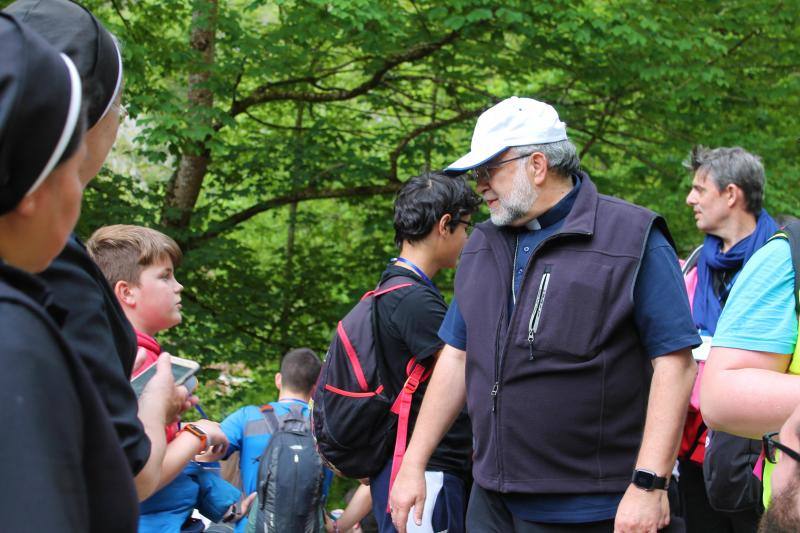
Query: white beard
[[517, 204]]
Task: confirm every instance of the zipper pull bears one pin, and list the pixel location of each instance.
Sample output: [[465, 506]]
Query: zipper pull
[[494, 395], [530, 344]]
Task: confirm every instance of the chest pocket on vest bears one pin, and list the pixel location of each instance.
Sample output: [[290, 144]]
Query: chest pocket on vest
[[563, 308]]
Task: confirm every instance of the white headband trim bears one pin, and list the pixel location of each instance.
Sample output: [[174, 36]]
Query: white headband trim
[[118, 86], [69, 126]]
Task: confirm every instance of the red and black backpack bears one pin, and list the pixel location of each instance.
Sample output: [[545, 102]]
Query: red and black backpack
[[356, 420]]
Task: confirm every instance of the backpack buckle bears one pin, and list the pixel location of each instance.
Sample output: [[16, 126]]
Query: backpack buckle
[[411, 384]]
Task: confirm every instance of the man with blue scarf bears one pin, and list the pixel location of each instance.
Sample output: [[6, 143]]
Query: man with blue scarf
[[726, 197]]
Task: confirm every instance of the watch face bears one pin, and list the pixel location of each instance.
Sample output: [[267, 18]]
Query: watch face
[[196, 430], [644, 479]]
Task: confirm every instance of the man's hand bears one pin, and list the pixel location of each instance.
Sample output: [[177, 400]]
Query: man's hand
[[217, 441], [642, 511], [161, 397], [245, 505], [408, 491], [239, 510]]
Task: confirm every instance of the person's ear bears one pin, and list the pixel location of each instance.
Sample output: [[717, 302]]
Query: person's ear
[[27, 206], [536, 168], [278, 380], [732, 192], [444, 225], [125, 293]]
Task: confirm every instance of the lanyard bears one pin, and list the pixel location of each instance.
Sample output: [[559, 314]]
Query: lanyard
[[416, 269]]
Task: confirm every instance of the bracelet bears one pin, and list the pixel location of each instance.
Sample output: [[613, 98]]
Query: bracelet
[[336, 526]]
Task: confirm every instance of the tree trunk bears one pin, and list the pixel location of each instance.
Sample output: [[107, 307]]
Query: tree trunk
[[184, 187], [290, 292]]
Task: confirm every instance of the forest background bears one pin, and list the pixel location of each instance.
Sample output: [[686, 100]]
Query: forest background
[[268, 137]]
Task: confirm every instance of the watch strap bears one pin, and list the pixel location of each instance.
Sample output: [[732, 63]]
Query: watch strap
[[649, 480], [199, 433]]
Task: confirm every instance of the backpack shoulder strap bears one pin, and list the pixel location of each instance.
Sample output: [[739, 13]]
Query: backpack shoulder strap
[[296, 410], [791, 232], [271, 419], [296, 414], [386, 287], [691, 261], [292, 419], [389, 285]]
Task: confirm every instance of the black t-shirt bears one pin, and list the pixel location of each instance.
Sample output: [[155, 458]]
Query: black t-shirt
[[99, 333], [408, 325], [61, 461]]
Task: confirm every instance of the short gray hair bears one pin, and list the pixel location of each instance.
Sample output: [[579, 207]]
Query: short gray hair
[[562, 156], [734, 166]]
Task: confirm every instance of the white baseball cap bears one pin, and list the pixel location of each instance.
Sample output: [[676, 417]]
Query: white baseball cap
[[513, 122]]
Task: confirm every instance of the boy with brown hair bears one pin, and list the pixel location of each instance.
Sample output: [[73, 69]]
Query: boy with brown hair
[[139, 264]]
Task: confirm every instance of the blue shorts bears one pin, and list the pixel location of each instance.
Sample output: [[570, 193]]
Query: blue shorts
[[448, 510]]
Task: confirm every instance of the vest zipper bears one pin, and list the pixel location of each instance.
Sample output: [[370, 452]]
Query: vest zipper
[[500, 350], [497, 362], [538, 306], [514, 274]]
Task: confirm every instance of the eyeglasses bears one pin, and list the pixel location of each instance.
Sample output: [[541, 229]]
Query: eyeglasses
[[771, 444], [122, 111], [481, 173], [468, 223]]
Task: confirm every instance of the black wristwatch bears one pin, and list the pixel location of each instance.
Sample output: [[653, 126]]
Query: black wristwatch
[[233, 513], [648, 480]]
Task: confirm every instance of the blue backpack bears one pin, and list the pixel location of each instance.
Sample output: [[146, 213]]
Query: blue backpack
[[290, 478]]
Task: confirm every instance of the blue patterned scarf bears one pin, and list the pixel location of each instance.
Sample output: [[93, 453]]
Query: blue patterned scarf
[[706, 307]]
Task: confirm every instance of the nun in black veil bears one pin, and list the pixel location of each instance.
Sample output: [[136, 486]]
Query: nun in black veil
[[96, 327], [62, 467]]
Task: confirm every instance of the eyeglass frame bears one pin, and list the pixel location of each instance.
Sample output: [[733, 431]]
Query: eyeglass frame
[[481, 172], [122, 110], [771, 444], [469, 223]]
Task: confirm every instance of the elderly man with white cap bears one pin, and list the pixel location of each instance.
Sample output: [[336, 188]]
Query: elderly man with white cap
[[569, 339]]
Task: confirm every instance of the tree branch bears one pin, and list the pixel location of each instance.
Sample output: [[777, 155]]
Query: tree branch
[[608, 110], [270, 93], [123, 19], [395, 154], [300, 196], [626, 150], [312, 193], [236, 325]]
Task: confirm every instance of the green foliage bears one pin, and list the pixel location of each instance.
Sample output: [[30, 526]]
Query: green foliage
[[325, 104]]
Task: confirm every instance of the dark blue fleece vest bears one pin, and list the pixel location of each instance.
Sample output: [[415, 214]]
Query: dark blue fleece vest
[[557, 391]]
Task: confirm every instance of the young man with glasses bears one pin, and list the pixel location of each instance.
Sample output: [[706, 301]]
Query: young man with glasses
[[566, 304], [432, 215], [783, 515]]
